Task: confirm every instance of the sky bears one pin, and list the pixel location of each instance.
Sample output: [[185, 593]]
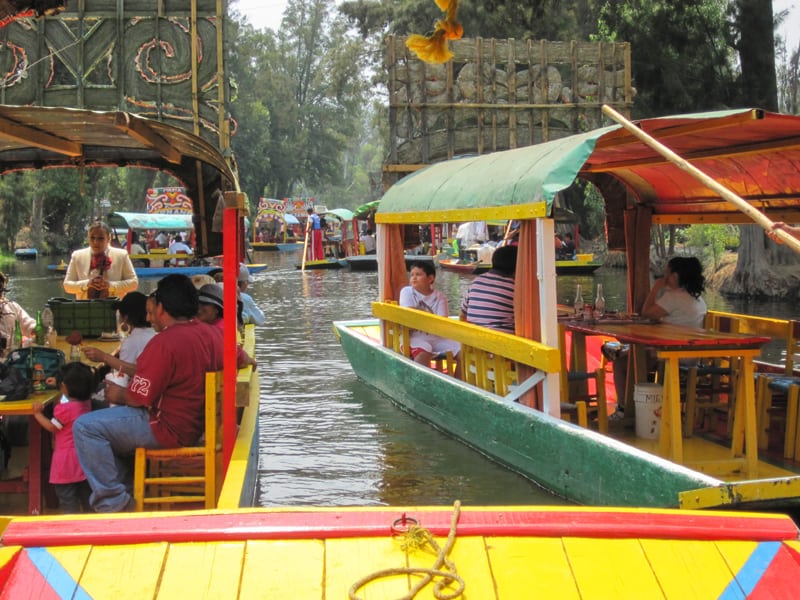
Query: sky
[[268, 13]]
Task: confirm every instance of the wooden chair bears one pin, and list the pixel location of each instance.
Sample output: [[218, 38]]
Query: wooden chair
[[777, 398], [578, 405], [186, 475], [710, 385]]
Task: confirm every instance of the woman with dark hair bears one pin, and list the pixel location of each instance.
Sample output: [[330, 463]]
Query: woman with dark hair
[[675, 297]]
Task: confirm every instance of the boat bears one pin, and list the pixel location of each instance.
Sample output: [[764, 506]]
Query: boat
[[465, 267], [582, 264], [155, 263], [26, 253], [369, 552], [117, 136], [338, 241], [274, 228], [510, 405]]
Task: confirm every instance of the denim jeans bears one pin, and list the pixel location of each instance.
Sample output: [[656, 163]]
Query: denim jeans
[[105, 439]]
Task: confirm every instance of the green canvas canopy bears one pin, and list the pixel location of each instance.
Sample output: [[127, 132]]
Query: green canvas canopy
[[148, 221]]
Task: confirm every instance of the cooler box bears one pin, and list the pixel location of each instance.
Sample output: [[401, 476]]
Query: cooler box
[[90, 317]]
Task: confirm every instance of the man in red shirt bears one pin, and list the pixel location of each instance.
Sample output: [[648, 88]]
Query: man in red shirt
[[162, 407]]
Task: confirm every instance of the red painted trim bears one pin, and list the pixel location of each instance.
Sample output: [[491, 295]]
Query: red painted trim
[[204, 527]]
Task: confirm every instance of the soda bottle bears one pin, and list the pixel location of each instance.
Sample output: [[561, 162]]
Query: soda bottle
[[39, 330], [599, 302], [578, 301]]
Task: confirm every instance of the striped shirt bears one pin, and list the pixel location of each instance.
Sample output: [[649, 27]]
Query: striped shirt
[[489, 302]]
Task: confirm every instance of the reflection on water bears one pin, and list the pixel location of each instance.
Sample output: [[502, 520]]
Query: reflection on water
[[327, 438]]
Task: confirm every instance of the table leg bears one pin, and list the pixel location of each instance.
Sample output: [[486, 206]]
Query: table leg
[[35, 438], [745, 430], [670, 440]]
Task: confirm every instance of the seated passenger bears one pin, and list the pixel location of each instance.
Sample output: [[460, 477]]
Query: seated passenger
[[489, 301], [210, 311], [421, 296]]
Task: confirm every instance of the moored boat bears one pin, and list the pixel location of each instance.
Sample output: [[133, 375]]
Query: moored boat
[[510, 404], [26, 253], [465, 267]]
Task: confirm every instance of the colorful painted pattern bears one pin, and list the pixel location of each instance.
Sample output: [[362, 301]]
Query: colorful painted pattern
[[320, 553]]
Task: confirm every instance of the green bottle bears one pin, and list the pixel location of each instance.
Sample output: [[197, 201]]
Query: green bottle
[[39, 330], [16, 341]]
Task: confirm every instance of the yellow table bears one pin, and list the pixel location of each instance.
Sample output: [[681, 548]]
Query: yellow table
[[106, 345], [38, 451], [673, 343]]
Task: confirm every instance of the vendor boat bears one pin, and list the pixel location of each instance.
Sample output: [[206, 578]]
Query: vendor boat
[[509, 405]]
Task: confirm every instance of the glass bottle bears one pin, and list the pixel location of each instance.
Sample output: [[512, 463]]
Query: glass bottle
[[38, 378], [599, 302], [75, 353], [578, 300], [16, 341], [39, 330]]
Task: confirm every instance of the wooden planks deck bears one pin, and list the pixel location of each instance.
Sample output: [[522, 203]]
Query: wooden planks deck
[[501, 553]]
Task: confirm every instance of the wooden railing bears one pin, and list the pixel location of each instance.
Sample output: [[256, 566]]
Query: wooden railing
[[788, 330], [489, 358]]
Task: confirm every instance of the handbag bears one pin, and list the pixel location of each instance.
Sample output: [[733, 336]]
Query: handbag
[[15, 386], [51, 359]]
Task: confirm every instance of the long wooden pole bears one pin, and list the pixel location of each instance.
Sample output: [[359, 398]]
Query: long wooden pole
[[708, 181], [305, 246]]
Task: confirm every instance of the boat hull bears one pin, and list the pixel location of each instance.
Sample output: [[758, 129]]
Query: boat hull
[[364, 262], [502, 553], [26, 253], [573, 267], [317, 265], [468, 268], [573, 462]]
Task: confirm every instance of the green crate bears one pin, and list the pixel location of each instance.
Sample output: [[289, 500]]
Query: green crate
[[90, 317]]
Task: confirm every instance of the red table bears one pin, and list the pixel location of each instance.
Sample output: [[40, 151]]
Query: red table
[[673, 343]]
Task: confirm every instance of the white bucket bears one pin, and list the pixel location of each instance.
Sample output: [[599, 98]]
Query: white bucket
[[648, 398]]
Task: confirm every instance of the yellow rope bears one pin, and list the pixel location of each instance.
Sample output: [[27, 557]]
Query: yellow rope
[[433, 48], [414, 539]]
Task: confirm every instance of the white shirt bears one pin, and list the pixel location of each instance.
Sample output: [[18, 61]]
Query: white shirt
[[682, 308]]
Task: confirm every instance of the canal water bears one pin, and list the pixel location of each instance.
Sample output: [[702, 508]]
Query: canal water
[[327, 439]]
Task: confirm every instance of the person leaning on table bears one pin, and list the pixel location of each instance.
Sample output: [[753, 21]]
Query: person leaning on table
[[100, 271]]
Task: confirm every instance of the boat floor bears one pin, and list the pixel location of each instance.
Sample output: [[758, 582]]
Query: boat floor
[[697, 448], [499, 552]]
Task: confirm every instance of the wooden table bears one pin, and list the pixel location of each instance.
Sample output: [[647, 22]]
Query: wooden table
[[673, 343], [109, 346], [38, 449]]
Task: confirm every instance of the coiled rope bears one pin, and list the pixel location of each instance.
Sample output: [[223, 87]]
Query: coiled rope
[[414, 538]]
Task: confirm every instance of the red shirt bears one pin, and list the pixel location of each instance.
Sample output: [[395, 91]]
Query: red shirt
[[170, 380]]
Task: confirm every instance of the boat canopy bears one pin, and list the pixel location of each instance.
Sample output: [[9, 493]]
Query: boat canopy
[[150, 221], [363, 211], [42, 137], [343, 214], [754, 153], [290, 219]]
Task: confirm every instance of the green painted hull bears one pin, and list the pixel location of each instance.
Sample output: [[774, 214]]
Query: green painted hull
[[574, 462]]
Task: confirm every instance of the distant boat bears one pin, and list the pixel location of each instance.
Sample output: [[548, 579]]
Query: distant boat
[[582, 264], [26, 253], [465, 267]]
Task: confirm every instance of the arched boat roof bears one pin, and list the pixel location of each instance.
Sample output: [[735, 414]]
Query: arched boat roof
[[754, 153], [43, 137]]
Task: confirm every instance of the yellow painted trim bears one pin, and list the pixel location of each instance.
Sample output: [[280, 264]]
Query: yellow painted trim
[[711, 218], [522, 350], [744, 491], [237, 468], [535, 210]]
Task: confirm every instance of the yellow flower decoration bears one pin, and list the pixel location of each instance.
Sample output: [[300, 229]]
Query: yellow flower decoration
[[433, 48]]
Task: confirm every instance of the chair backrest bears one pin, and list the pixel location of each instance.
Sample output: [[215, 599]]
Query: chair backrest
[[792, 346], [213, 435]]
